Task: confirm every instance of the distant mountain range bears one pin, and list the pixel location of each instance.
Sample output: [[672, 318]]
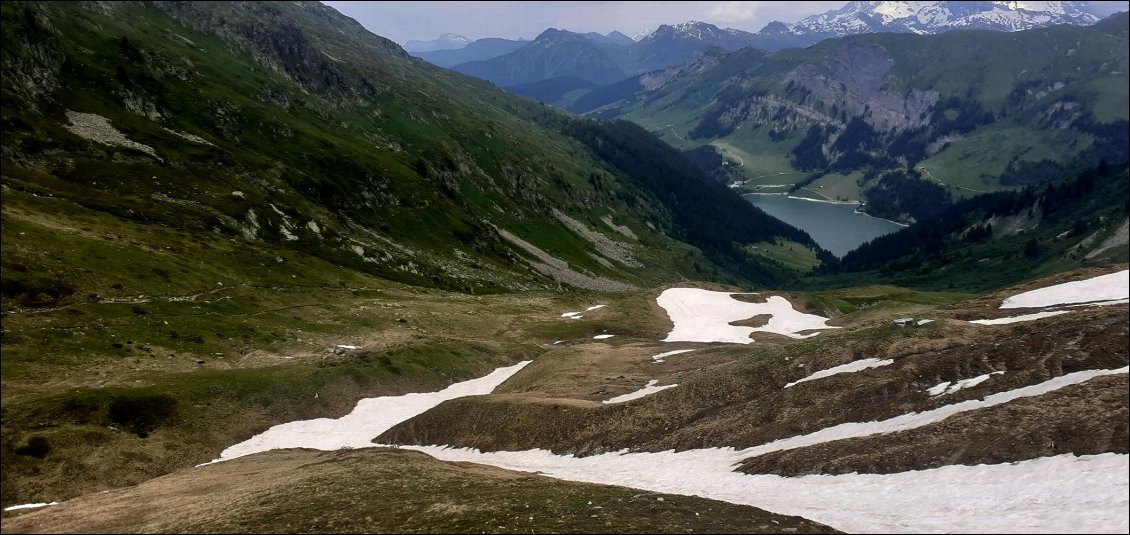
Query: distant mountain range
[[598, 59], [603, 59], [480, 50], [447, 41]]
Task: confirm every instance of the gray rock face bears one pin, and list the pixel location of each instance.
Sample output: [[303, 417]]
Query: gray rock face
[[857, 79]]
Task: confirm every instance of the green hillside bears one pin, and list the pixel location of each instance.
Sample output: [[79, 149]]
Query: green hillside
[[992, 240], [194, 194], [974, 111]]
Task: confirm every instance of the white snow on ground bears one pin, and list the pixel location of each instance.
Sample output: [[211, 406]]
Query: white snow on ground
[[29, 506], [594, 307], [570, 314], [603, 336], [1018, 319], [1101, 288], [938, 389], [370, 418], [648, 389], [1050, 495], [663, 356], [949, 388], [704, 316], [919, 419], [345, 346], [853, 366], [1062, 494]]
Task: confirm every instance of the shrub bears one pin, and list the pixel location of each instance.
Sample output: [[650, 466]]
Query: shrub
[[37, 446], [142, 413]]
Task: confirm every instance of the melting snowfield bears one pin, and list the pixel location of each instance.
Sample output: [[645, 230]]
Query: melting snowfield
[[1102, 288], [705, 316], [1050, 495]]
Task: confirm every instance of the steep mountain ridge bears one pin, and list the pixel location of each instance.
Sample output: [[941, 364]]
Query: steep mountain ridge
[[337, 131]]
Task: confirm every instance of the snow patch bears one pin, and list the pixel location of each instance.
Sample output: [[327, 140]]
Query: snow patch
[[1102, 288], [663, 356], [29, 506], [705, 316], [603, 336], [1021, 318], [647, 390], [594, 307], [854, 366], [370, 418], [942, 389]]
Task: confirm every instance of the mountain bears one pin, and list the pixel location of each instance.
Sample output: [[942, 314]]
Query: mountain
[[928, 117], [602, 60], [638, 36], [479, 50], [922, 18], [561, 91], [447, 41], [672, 44], [613, 38], [552, 54]]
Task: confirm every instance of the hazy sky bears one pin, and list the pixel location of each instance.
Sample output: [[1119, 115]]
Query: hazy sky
[[404, 21]]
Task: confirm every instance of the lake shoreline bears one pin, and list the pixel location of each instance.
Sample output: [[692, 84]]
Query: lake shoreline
[[834, 225], [809, 199]]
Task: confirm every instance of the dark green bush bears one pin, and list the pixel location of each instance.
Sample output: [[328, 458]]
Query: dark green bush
[[141, 413], [37, 446]]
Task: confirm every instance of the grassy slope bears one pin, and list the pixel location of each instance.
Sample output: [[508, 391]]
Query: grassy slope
[[1083, 231], [389, 491]]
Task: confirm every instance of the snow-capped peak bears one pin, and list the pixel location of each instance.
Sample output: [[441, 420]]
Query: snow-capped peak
[[640, 35], [453, 38], [697, 30], [935, 17]]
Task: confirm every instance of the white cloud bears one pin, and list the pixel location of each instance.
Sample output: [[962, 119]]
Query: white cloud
[[734, 11]]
